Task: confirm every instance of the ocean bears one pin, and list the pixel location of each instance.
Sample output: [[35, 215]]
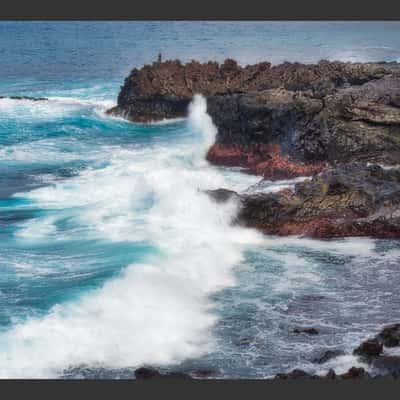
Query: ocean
[[112, 256]]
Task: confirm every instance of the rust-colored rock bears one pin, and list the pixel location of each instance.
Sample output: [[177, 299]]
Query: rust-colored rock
[[265, 160]]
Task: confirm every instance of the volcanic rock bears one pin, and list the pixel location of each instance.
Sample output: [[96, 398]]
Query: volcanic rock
[[278, 121], [350, 200]]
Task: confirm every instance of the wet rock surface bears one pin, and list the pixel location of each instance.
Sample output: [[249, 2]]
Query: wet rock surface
[[354, 199]]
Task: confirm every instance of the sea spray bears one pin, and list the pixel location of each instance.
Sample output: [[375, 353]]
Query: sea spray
[[158, 312]]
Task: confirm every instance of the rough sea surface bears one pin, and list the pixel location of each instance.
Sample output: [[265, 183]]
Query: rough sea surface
[[111, 255]]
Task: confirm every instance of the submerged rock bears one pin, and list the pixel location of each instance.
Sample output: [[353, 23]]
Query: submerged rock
[[25, 98], [307, 331], [328, 355]]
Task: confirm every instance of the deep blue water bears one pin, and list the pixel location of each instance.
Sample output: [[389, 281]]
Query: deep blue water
[[111, 257]]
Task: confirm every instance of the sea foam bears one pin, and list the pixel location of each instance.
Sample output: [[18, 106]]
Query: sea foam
[[158, 312]]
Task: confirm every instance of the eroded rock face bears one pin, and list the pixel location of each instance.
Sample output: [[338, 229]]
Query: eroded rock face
[[278, 121], [349, 200]]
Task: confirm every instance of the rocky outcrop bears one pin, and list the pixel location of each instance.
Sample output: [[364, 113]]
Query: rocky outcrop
[[278, 121], [353, 199], [352, 373], [329, 121], [388, 337], [370, 351]]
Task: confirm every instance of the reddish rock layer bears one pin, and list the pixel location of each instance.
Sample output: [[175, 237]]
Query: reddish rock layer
[[265, 160]]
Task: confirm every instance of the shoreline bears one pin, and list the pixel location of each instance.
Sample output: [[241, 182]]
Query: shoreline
[[284, 122]]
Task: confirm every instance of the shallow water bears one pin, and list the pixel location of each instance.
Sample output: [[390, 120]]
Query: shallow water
[[111, 255]]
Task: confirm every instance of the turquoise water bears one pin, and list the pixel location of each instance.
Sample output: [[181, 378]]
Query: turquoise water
[[111, 255]]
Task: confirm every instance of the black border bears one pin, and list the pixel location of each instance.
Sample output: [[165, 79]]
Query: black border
[[200, 10]]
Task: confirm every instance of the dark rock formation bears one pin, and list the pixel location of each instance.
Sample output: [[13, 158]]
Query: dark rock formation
[[369, 348], [24, 98], [372, 351], [307, 331], [329, 121], [328, 355], [352, 373], [278, 121], [389, 336], [150, 373], [296, 374], [144, 373], [353, 199]]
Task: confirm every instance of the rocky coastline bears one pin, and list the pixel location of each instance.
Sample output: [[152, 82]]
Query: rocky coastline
[[373, 352], [336, 123]]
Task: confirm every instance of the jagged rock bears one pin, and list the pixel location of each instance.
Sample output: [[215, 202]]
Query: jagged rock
[[329, 120], [278, 121]]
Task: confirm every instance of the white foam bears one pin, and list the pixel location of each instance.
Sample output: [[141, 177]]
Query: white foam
[[158, 312]]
